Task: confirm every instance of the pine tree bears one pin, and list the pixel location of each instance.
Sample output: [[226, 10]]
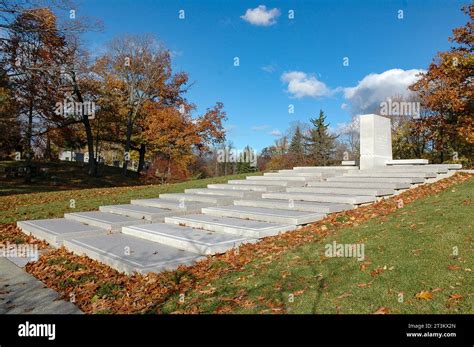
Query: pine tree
[[245, 163], [321, 145], [296, 149]]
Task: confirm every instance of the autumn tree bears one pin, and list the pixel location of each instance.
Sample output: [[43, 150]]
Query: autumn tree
[[143, 67], [31, 55], [446, 90], [10, 126], [173, 134]]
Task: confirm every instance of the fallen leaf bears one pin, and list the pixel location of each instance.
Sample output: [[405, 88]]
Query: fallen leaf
[[382, 310], [424, 295], [345, 295], [377, 271]]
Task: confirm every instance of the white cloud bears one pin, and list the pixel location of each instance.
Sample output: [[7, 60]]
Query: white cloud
[[300, 85], [269, 68], [261, 16], [375, 88], [344, 106], [275, 132], [260, 127], [346, 127]]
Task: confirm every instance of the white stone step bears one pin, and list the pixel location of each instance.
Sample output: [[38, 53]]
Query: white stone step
[[285, 178], [174, 205], [419, 162], [243, 227], [282, 183], [223, 192], [55, 231], [130, 254], [345, 191], [323, 174], [206, 198], [344, 199], [371, 173], [305, 206], [264, 214], [324, 168], [444, 166], [376, 185], [108, 221], [153, 214], [348, 163], [405, 169], [413, 180], [199, 241], [252, 187], [291, 173]]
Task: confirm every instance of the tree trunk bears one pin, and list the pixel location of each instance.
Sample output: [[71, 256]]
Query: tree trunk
[[87, 125], [90, 147], [48, 155], [127, 146], [141, 160], [29, 135]]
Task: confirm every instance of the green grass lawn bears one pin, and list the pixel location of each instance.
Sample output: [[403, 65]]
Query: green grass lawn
[[54, 204], [63, 175], [425, 246]]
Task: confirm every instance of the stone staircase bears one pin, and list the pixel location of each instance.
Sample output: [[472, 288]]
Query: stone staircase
[[178, 229]]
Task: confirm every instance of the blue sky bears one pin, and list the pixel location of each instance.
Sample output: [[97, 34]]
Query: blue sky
[[286, 61]]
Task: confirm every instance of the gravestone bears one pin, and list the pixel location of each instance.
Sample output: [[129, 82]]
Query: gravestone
[[375, 141]]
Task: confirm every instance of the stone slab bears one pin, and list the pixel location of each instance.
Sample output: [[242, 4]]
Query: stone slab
[[305, 206], [149, 213], [108, 221], [322, 168], [130, 254], [444, 166], [243, 227], [291, 173], [174, 205], [409, 169], [206, 198], [348, 163], [375, 185], [345, 191], [344, 199], [223, 192], [407, 162], [412, 180], [264, 214], [22, 293], [199, 241], [55, 231], [371, 173], [285, 178], [251, 187], [282, 183]]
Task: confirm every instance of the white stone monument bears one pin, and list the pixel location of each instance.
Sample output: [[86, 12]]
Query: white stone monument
[[375, 141]]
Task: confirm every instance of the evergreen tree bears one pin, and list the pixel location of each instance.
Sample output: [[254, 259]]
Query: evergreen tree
[[321, 145], [245, 163], [296, 149]]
